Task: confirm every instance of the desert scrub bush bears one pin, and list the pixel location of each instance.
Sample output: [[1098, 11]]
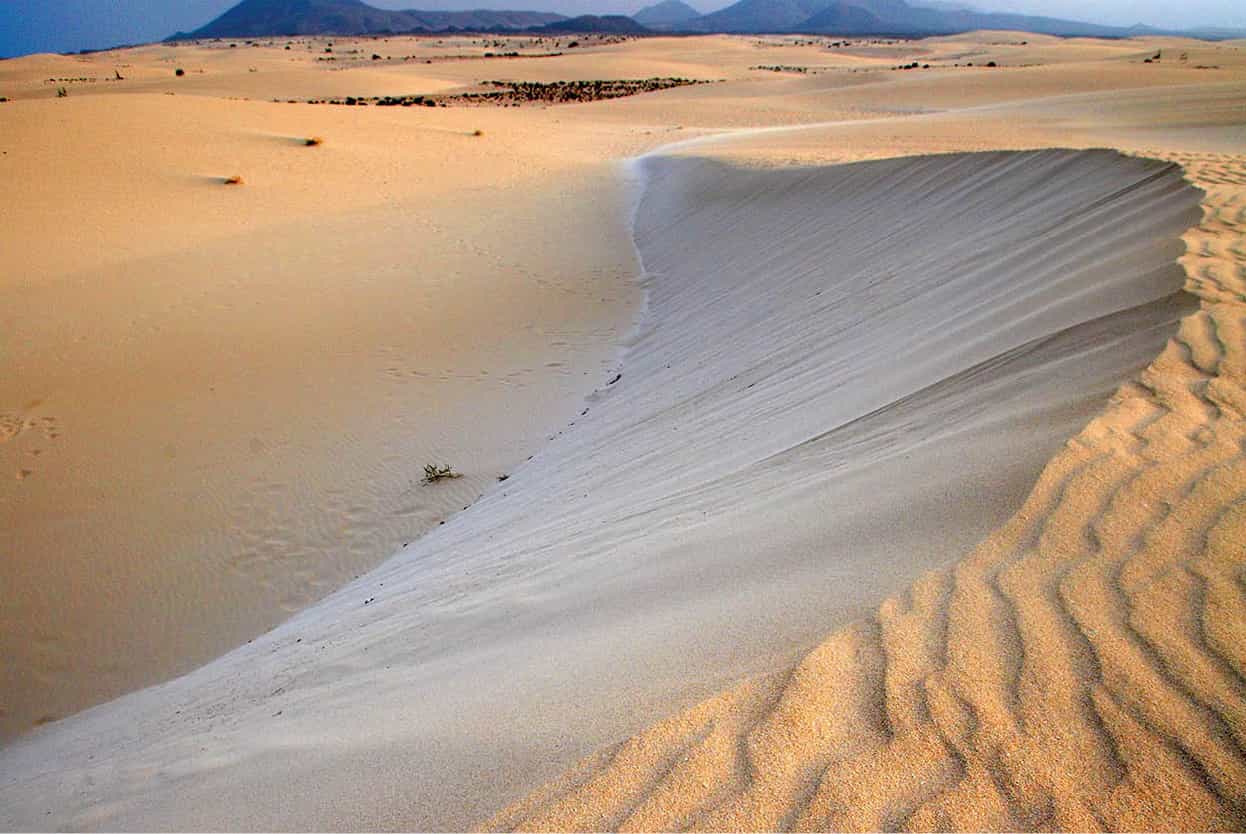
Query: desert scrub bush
[[236, 179], [434, 473], [61, 92], [179, 72], [313, 141], [478, 132]]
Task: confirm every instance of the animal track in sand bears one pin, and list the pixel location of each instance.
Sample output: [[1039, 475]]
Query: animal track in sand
[[11, 425], [50, 426], [14, 426]]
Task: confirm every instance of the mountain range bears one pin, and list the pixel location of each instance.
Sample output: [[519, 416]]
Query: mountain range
[[667, 15], [881, 17], [268, 18], [612, 24], [271, 18]]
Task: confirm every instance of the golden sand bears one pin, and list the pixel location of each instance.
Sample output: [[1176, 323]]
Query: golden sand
[[1082, 669], [222, 398]]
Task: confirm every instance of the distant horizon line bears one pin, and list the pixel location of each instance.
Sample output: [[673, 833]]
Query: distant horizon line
[[1205, 32]]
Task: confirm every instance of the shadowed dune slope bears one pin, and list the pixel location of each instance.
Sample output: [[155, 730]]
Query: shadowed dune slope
[[846, 376], [1083, 668]]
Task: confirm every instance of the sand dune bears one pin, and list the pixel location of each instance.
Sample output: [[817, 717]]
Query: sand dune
[[846, 378], [221, 398], [589, 591], [1081, 669]]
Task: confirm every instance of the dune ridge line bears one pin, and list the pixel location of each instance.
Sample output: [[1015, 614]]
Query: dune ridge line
[[856, 371], [1083, 668]]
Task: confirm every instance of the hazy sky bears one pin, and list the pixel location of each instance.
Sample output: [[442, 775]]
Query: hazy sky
[[65, 25]]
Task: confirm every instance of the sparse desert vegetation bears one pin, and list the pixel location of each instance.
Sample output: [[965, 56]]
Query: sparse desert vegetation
[[397, 101], [434, 473], [782, 68], [808, 268], [515, 93], [561, 92]]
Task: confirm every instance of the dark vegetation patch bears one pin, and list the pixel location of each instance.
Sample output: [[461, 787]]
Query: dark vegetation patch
[[558, 92], [515, 93], [434, 473], [782, 68]]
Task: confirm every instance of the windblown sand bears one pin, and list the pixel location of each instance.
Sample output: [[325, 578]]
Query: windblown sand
[[842, 379], [1081, 669]]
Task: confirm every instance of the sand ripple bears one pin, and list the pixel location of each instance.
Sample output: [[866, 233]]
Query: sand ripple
[[1083, 668], [847, 377]]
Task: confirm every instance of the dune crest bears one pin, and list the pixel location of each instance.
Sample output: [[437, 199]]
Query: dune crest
[[857, 371], [1083, 668]]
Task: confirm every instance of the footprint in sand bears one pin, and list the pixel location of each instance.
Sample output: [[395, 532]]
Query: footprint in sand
[[11, 426], [50, 426]]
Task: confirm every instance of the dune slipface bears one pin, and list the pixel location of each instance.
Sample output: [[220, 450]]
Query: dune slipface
[[1081, 669], [847, 376]]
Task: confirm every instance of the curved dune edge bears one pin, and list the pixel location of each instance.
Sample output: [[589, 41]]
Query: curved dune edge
[[993, 302], [1083, 668]]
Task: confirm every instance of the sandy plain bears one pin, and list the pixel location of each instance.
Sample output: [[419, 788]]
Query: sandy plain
[[1018, 368]]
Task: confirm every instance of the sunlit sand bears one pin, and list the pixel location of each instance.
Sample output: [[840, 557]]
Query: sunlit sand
[[852, 447]]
